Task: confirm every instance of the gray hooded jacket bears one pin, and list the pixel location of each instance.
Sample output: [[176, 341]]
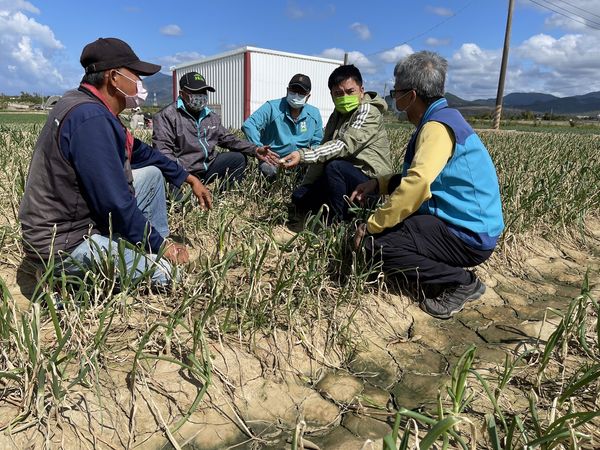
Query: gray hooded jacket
[[190, 142]]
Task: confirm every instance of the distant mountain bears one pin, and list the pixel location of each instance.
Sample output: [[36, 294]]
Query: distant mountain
[[161, 85], [455, 101], [588, 104], [517, 99]]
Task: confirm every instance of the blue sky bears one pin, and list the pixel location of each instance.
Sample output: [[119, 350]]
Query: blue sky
[[555, 44]]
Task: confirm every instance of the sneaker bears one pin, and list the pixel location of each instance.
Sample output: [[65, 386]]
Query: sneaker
[[452, 301]]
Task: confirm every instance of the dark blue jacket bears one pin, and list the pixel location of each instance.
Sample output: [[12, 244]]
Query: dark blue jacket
[[79, 176]]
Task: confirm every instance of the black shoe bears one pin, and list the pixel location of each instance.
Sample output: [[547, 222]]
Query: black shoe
[[452, 301]]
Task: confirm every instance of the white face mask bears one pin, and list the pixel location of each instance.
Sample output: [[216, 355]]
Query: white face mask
[[401, 97], [295, 100], [197, 102], [134, 101]]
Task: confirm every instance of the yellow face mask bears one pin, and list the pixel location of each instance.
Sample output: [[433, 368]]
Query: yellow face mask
[[346, 103]]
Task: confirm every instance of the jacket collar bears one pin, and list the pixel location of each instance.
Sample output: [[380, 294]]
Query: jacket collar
[[435, 106], [287, 110]]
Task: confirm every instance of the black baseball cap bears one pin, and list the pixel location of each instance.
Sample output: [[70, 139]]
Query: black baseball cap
[[110, 53], [300, 80], [193, 82]]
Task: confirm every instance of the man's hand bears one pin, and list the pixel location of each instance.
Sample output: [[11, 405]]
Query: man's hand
[[361, 232], [362, 190], [200, 192], [265, 154], [291, 160], [176, 253]]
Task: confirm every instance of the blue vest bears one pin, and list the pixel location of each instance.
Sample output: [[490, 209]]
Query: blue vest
[[465, 194]]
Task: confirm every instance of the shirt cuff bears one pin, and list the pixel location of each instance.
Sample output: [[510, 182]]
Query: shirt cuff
[[179, 179], [372, 227]]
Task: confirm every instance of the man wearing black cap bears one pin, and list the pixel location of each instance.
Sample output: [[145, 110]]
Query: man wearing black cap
[[286, 124], [355, 147], [91, 183], [187, 131]]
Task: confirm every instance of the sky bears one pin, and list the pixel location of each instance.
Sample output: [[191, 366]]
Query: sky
[[554, 45]]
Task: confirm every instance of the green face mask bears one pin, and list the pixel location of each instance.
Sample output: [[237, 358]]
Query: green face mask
[[346, 103]]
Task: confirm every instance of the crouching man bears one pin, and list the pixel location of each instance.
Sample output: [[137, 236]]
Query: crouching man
[[89, 177], [444, 211]]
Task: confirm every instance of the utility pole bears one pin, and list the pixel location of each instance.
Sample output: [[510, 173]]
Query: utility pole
[[345, 58], [500, 94]]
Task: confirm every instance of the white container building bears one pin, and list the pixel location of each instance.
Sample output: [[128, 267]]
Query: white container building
[[247, 77]]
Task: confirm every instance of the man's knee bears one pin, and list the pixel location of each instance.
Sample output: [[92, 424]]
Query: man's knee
[[147, 173], [237, 160], [150, 176], [335, 167]]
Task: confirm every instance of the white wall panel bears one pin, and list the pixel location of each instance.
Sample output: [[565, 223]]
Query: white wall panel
[[226, 75], [270, 74]]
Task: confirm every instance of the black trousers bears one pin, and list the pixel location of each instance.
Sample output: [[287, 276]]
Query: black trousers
[[340, 178], [227, 165], [423, 249]]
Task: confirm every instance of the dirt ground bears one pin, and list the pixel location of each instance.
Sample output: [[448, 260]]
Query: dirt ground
[[265, 390]]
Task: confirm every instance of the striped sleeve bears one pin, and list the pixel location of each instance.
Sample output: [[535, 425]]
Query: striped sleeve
[[364, 124]]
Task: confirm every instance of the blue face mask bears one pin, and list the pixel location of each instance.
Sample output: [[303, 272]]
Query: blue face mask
[[295, 100]]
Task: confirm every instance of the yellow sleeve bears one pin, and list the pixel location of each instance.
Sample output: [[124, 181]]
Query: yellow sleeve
[[433, 150]]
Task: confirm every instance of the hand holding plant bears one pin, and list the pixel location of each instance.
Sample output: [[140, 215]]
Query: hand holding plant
[[291, 160], [361, 232], [362, 190]]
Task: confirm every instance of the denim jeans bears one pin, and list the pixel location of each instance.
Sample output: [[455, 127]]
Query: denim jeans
[[150, 195]]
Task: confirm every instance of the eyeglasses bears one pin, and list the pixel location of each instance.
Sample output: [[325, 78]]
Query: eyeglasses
[[395, 92]]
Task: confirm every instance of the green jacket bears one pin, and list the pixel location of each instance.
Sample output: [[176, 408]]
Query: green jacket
[[358, 137]]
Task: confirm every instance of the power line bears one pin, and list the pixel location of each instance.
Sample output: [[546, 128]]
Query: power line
[[568, 17], [426, 31], [571, 12], [580, 9]]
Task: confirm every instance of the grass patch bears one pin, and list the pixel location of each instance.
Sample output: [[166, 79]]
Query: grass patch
[[22, 118], [247, 281]]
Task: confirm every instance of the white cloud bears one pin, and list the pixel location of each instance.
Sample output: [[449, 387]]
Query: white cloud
[[435, 42], [171, 30], [293, 11], [395, 54], [357, 58], [564, 66], [567, 52], [305, 10], [178, 58], [473, 72], [361, 30], [440, 11], [17, 5], [572, 15], [28, 51]]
